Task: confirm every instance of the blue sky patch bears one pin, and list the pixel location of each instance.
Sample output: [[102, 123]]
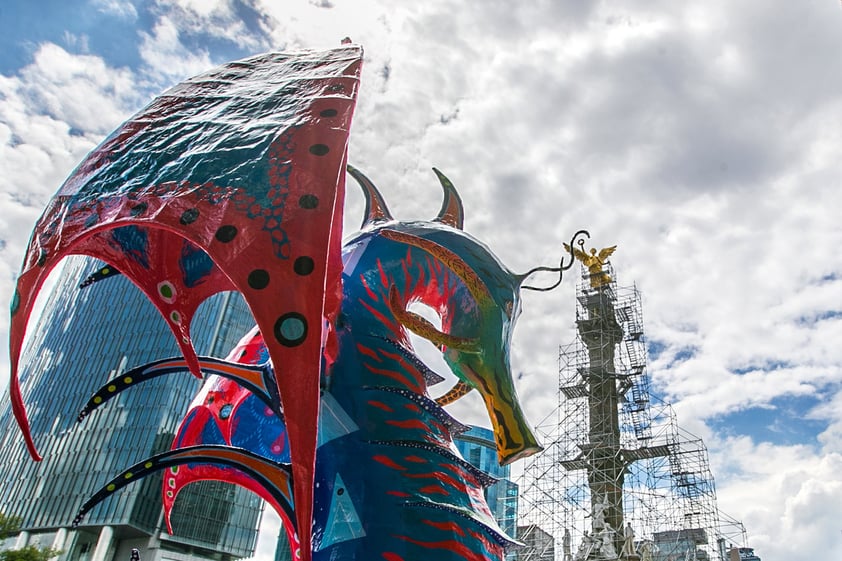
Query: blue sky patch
[[75, 26], [784, 423]]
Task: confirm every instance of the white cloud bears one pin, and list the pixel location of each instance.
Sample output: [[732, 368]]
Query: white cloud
[[122, 9], [167, 58], [218, 19], [787, 496], [79, 90], [201, 8], [267, 541], [78, 43], [830, 411]]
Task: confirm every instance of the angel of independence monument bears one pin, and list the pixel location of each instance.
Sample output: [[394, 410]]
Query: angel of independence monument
[[603, 457], [618, 479]]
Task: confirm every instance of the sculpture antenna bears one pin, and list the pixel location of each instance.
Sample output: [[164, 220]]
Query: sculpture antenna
[[375, 207], [562, 266], [451, 212]]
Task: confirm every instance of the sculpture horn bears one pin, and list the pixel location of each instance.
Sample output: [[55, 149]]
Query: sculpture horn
[[427, 330], [375, 207], [451, 212]]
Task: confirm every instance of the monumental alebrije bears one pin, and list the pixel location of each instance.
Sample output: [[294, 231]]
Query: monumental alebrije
[[234, 180]]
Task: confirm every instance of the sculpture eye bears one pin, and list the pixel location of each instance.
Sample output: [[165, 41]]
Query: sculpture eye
[[509, 307]]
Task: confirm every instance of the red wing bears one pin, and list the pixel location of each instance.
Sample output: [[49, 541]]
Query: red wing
[[246, 162]]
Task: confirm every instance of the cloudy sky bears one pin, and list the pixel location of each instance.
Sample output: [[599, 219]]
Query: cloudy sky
[[701, 138]]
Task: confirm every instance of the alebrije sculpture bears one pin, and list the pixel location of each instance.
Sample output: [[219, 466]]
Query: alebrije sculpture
[[234, 180]]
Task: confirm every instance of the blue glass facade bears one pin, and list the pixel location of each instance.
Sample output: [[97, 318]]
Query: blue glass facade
[[477, 446], [282, 549], [82, 339]]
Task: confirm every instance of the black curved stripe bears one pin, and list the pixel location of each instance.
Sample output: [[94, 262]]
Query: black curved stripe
[[237, 458], [267, 392]]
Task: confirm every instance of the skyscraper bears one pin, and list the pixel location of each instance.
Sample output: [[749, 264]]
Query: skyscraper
[[82, 339]]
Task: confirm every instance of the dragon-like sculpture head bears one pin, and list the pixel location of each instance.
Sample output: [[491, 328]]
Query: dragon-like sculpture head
[[475, 295]]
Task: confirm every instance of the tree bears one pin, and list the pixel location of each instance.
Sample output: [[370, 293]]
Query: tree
[[29, 553], [9, 526]]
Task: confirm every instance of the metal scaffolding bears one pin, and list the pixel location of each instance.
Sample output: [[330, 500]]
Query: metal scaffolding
[[619, 479]]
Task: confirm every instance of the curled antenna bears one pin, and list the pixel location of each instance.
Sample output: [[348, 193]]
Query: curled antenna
[[577, 239]]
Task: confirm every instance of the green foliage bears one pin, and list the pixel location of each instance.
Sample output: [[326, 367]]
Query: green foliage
[[29, 553], [9, 526]]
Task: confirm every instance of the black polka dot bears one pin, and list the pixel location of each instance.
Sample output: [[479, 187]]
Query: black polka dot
[[139, 209], [329, 113], [226, 233], [258, 279], [189, 216], [308, 201], [291, 329], [319, 149], [340, 491], [303, 266]]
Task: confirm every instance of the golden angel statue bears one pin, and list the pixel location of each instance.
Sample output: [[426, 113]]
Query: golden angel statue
[[594, 263]]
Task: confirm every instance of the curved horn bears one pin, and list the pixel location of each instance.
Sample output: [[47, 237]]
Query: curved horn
[[375, 207], [427, 330], [451, 212]]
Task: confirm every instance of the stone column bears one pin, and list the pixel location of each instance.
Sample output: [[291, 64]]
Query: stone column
[[600, 333], [22, 541], [59, 541], [103, 544]]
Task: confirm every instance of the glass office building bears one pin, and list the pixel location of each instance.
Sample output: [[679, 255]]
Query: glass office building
[[478, 447], [82, 339]]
